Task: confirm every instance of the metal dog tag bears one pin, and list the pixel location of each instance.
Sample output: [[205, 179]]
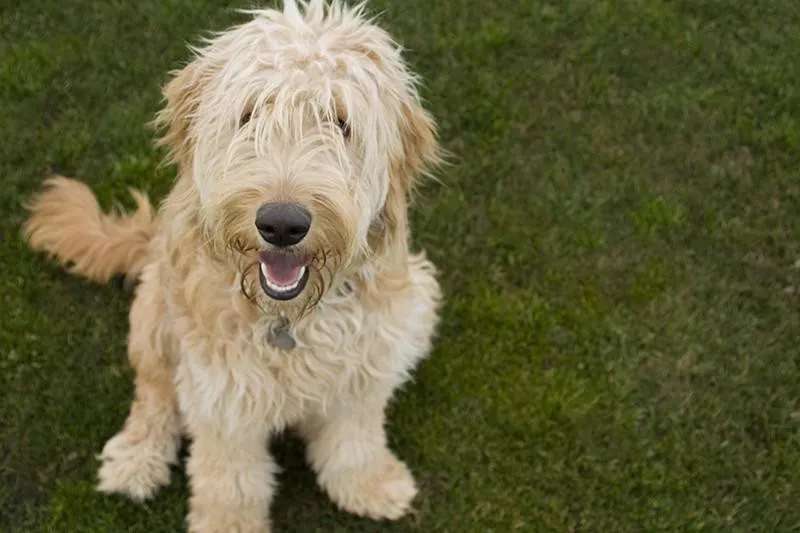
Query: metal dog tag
[[280, 337]]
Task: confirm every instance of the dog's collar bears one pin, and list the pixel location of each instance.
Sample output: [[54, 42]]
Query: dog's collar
[[280, 335], [345, 289]]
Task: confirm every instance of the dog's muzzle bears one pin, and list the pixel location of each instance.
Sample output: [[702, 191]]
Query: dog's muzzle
[[283, 275]]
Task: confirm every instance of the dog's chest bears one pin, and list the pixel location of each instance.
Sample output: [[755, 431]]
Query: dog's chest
[[244, 378], [228, 373]]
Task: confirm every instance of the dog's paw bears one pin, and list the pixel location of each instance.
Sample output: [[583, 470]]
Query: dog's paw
[[381, 491], [136, 470]]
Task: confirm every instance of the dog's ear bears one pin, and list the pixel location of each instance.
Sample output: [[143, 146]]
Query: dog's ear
[[420, 153], [182, 94]]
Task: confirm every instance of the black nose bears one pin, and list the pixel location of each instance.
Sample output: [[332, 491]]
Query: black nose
[[283, 224]]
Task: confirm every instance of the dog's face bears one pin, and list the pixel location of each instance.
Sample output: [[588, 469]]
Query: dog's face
[[302, 133]]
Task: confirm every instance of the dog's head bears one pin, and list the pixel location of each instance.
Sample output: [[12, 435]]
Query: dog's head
[[302, 134]]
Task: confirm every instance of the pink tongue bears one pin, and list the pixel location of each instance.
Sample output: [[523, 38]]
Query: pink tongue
[[282, 269], [283, 276]]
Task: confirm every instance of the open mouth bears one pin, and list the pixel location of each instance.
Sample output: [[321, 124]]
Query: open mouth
[[283, 276]]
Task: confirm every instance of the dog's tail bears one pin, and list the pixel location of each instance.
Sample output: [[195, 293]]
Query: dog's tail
[[67, 223]]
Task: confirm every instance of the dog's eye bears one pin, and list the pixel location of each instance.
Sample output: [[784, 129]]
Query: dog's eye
[[245, 118], [344, 126]]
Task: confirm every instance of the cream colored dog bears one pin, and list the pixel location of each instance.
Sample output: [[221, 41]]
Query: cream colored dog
[[276, 287]]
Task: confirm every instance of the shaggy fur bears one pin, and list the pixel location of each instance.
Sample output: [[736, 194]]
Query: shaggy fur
[[313, 105]]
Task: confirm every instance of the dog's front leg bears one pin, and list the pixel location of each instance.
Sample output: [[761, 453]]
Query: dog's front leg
[[232, 480], [136, 462], [348, 450]]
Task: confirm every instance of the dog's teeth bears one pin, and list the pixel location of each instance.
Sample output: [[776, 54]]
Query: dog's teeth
[[264, 271]]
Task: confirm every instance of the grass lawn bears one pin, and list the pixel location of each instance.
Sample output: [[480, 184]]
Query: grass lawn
[[619, 237]]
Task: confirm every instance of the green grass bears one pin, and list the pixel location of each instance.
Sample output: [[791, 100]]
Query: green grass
[[619, 238]]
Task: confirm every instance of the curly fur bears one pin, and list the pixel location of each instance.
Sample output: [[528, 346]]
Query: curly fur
[[255, 117]]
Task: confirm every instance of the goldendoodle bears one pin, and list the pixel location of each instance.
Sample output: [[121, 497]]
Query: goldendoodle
[[276, 287]]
